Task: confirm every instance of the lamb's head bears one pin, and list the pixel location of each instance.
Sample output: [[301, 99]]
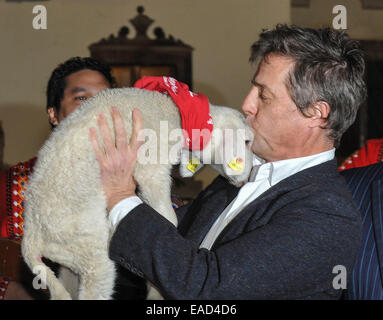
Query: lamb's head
[[228, 150]]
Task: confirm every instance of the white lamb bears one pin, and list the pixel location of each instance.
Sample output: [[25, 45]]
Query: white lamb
[[65, 216]]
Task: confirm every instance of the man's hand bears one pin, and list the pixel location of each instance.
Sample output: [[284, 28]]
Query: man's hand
[[118, 158]]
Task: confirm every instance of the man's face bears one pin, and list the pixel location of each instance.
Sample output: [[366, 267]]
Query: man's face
[[280, 129], [80, 86]]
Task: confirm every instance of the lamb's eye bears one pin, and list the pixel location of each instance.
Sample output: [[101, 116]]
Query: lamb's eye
[[247, 141]]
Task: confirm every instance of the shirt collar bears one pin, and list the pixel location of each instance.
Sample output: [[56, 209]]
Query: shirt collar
[[276, 171]]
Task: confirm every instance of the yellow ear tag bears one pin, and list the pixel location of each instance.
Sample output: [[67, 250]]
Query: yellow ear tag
[[236, 164], [193, 164]]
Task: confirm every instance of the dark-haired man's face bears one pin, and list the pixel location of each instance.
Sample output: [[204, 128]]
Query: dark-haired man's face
[[80, 86]]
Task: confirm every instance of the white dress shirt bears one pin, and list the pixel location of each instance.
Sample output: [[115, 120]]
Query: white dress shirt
[[263, 176]]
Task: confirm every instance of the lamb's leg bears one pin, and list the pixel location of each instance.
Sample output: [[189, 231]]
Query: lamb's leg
[[70, 280], [155, 189], [153, 293], [64, 256], [97, 279]]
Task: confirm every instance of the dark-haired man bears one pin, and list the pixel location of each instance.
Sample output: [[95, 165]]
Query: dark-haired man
[[281, 235], [72, 82]]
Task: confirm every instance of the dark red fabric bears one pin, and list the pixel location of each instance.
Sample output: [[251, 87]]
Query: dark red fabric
[[194, 108]]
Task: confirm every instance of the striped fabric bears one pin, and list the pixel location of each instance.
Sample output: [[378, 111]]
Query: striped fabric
[[366, 184]]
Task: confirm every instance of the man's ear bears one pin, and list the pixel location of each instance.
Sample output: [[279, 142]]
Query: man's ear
[[319, 114], [53, 116], [189, 164]]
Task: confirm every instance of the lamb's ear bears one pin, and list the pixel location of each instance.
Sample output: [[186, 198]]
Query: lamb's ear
[[189, 165]]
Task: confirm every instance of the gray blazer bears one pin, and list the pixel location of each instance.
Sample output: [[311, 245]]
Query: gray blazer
[[283, 245]]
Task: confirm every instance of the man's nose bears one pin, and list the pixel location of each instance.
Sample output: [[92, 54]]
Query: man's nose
[[249, 105]]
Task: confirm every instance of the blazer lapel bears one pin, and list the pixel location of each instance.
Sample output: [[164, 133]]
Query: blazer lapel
[[198, 221], [377, 219]]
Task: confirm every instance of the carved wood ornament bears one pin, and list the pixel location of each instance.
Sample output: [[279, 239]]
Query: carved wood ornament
[[133, 57]]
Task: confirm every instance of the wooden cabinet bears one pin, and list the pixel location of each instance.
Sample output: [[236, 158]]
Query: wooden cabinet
[[133, 57]]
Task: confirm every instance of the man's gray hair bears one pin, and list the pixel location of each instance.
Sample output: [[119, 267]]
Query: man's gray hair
[[329, 67]]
